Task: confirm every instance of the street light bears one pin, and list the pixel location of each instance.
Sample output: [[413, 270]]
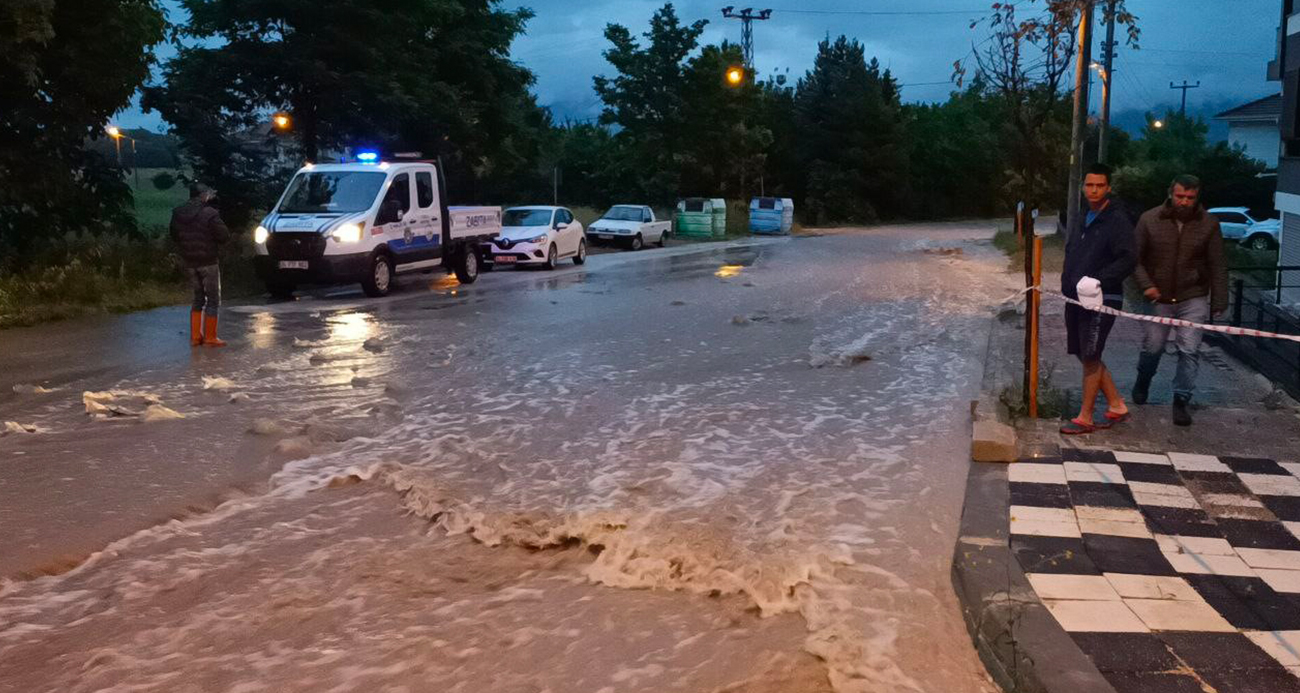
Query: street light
[[1158, 124], [116, 133], [281, 121], [735, 75]]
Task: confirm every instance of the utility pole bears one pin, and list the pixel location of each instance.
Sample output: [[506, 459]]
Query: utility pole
[[746, 17], [1081, 77], [555, 186], [1184, 86], [1107, 81]]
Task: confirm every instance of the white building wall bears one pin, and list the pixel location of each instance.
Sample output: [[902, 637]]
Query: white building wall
[[1261, 140]]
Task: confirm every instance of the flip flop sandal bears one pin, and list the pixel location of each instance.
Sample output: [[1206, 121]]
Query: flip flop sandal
[[1112, 418], [1075, 428]]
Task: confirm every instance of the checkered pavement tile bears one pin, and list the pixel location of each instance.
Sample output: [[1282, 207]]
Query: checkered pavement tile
[[1173, 572]]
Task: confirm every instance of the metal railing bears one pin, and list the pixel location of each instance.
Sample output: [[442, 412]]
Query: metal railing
[[1256, 300]]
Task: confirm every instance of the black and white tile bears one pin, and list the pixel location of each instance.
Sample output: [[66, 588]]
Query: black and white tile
[[1174, 572]]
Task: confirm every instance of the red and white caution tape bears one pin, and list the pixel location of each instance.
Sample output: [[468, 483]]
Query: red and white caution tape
[[1174, 322]]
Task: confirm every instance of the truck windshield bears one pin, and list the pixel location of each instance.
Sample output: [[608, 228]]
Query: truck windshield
[[526, 217], [623, 213], [321, 192]]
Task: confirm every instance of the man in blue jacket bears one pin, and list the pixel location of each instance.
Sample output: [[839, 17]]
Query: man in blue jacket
[[1100, 253]]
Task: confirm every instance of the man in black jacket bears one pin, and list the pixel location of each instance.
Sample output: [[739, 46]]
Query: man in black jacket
[[1100, 254], [198, 231]]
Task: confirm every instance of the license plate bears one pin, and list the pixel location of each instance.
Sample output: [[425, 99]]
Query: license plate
[[505, 259], [604, 236], [293, 264]]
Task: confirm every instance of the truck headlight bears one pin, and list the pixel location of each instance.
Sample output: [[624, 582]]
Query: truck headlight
[[260, 235], [347, 233]]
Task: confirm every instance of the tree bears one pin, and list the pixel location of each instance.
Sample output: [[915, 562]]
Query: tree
[[957, 159], [646, 99], [722, 151], [852, 136], [1180, 146], [1025, 59], [67, 66], [425, 75]]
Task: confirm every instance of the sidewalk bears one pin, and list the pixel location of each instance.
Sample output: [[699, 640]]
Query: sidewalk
[[1145, 559]]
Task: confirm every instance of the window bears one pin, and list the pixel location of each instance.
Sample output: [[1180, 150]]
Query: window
[[397, 201], [526, 217], [564, 216], [342, 192], [1231, 217], [645, 215], [424, 189]]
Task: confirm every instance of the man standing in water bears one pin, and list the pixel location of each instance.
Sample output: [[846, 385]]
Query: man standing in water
[[1099, 255], [198, 231], [1180, 270]]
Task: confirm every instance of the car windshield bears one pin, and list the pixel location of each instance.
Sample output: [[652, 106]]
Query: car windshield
[[623, 213], [332, 192], [526, 217]]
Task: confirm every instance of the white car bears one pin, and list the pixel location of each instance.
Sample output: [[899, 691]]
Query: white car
[[1238, 225], [631, 225], [538, 236]]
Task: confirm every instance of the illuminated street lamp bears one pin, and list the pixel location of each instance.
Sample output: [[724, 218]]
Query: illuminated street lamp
[[281, 121], [735, 75], [1157, 124], [116, 133]]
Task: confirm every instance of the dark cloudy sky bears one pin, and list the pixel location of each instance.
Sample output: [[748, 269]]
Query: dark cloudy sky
[[1225, 44]]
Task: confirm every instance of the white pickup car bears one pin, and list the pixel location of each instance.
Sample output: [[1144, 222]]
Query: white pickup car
[[366, 222], [632, 225]]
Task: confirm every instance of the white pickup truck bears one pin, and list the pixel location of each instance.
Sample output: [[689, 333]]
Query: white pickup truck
[[367, 222], [632, 225]]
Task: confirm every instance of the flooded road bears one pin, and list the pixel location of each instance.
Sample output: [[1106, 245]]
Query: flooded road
[[702, 469]]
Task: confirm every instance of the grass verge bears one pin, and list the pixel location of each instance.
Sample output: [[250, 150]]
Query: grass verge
[[1053, 250]]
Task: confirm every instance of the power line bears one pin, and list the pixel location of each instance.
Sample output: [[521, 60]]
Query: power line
[[885, 13]]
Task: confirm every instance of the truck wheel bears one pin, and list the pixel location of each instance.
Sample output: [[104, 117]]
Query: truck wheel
[[466, 267], [581, 257], [280, 289], [1260, 241], [379, 279], [663, 239], [637, 242]]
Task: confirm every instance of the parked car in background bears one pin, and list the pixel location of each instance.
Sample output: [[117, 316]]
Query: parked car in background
[[540, 235], [1238, 225], [630, 225]]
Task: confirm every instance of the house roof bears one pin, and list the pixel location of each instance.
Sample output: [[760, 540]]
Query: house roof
[[1267, 109]]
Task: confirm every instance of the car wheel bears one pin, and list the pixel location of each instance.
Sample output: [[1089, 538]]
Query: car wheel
[[581, 257], [379, 280], [550, 258], [663, 239], [1260, 242], [280, 290], [637, 243], [467, 265]]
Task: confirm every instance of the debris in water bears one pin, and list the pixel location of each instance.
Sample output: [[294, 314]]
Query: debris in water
[[299, 446], [239, 397], [217, 383], [117, 403], [943, 251], [157, 412], [15, 427], [374, 345], [677, 303], [25, 389], [739, 320], [359, 381]]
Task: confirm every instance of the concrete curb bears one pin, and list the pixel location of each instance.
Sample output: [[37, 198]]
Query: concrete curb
[[1022, 646]]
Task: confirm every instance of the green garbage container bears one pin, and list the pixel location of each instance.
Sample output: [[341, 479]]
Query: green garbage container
[[694, 218], [719, 217]]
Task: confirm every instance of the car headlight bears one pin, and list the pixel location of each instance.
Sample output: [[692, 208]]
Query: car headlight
[[539, 239], [260, 235], [347, 233]]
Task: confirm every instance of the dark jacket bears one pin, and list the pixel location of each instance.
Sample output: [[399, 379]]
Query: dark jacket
[[198, 231], [1182, 265], [1103, 250]]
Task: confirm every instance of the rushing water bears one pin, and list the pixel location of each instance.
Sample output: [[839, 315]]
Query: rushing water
[[731, 470]]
